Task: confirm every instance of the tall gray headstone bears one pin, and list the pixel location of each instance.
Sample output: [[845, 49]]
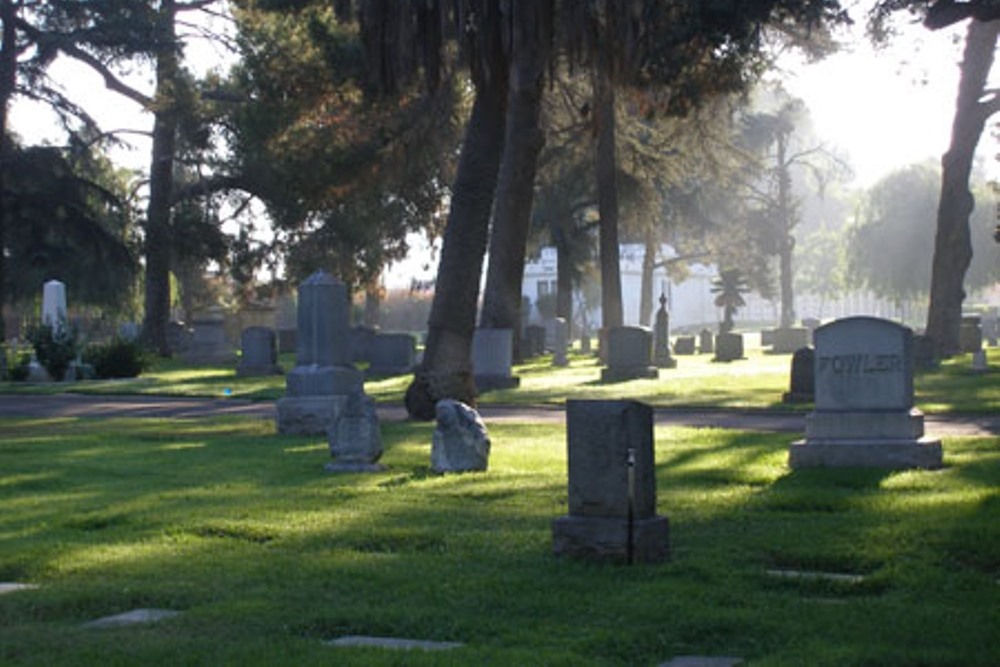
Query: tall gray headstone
[[492, 359], [560, 342], [864, 414], [661, 337], [54, 304], [259, 353], [317, 389], [612, 485], [629, 354]]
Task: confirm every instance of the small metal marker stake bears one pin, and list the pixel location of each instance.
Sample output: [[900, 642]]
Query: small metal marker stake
[[630, 539]]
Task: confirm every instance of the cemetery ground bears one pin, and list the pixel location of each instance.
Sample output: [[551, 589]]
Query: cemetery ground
[[266, 558]]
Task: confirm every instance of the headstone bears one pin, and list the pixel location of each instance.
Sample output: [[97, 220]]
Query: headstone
[[684, 345], [317, 389], [728, 347], [560, 342], [285, 321], [661, 337], [629, 354], [460, 442], [786, 341], [924, 356], [970, 335], [129, 331], [706, 342], [767, 337], [178, 337], [392, 354], [991, 328], [492, 357], [612, 485], [803, 380], [354, 438], [864, 414], [362, 338], [208, 343], [54, 305], [979, 362], [259, 353], [533, 342]]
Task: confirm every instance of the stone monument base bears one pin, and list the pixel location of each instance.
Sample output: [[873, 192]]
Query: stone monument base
[[305, 381], [666, 362], [494, 382], [606, 539], [258, 371], [866, 453], [309, 415], [610, 374]]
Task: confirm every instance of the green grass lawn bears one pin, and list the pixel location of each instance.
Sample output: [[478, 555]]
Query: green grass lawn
[[267, 556], [755, 383]]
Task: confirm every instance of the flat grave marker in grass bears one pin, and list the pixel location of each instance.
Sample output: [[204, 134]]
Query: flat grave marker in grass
[[13, 587], [133, 617], [392, 643]]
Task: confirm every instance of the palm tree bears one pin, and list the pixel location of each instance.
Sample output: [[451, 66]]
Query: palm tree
[[729, 287]]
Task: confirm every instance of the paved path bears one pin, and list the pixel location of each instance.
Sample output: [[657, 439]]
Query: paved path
[[80, 405]]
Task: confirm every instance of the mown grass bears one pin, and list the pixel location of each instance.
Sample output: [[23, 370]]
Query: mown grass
[[755, 383], [267, 556]]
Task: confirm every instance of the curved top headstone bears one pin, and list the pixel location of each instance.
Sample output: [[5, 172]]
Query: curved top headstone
[[863, 363]]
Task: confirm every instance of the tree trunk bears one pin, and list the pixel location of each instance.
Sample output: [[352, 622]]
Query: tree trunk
[[161, 170], [8, 83], [646, 289], [515, 185], [952, 244], [607, 198], [446, 370], [373, 303], [786, 244], [564, 286]]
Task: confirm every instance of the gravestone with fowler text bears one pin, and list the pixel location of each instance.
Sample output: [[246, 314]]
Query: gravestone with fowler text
[[864, 414]]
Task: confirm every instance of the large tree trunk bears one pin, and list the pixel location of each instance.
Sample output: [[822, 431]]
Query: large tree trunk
[[952, 244], [515, 186], [607, 198], [564, 286], [8, 82], [158, 234], [446, 370]]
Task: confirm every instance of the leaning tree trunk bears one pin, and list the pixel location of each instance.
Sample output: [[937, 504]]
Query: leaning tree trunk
[[952, 244], [8, 82], [515, 186], [607, 199], [564, 285], [446, 369], [161, 170]]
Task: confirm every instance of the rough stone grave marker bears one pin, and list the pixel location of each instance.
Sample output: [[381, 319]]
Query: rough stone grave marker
[[629, 355], [864, 414], [460, 442], [612, 485]]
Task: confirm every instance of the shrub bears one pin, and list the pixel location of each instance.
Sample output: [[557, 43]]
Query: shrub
[[118, 358], [16, 363], [55, 348]]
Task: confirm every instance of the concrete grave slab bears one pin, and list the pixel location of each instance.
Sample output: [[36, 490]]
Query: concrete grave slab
[[392, 643], [13, 587], [134, 617]]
